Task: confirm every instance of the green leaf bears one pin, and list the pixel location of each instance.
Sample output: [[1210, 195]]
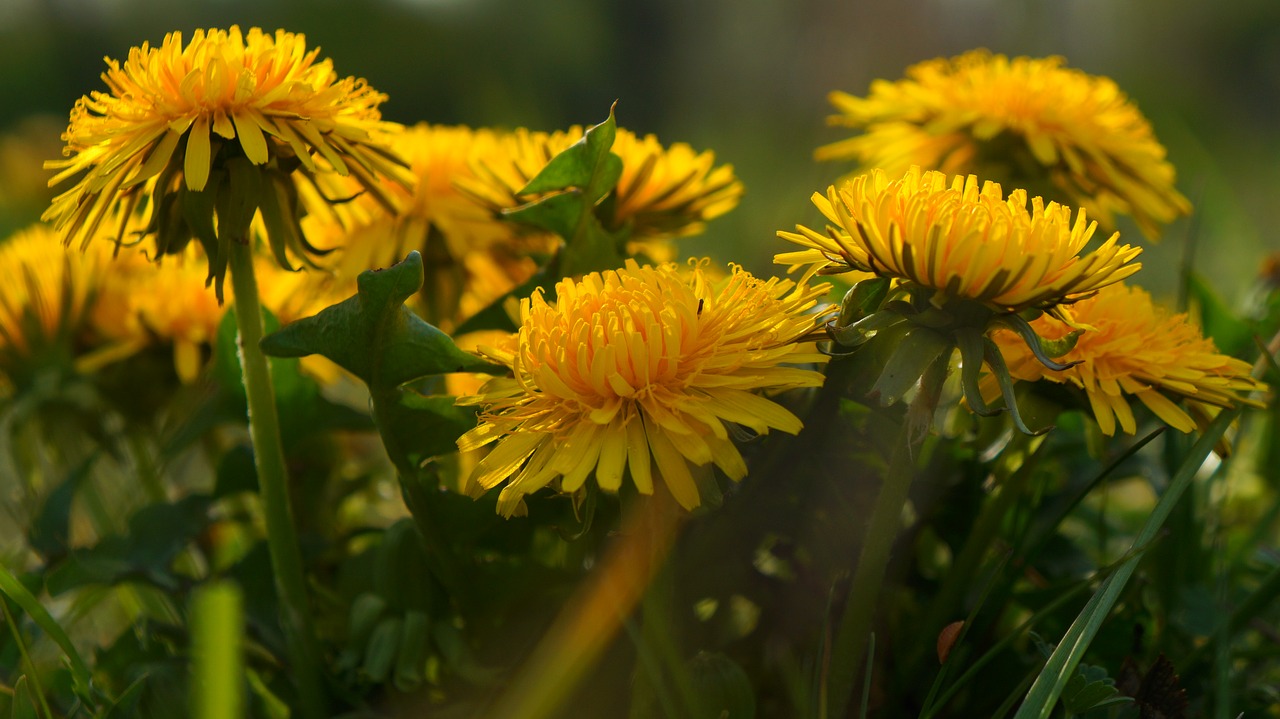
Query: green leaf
[[573, 184], [382, 649], [862, 300], [236, 472], [1058, 671], [302, 407], [126, 705], [398, 575], [919, 348], [366, 610], [1090, 689], [24, 704], [588, 164], [51, 526], [423, 426], [722, 688], [1231, 334], [411, 661], [374, 336], [13, 588], [156, 533]]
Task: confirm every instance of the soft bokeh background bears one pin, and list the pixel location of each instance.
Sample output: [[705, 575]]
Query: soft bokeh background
[[745, 78]]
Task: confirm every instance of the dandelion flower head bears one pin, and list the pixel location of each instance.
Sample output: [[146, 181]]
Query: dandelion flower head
[[472, 256], [961, 238], [644, 364], [1136, 350], [141, 304], [1018, 121], [179, 118], [663, 192], [44, 300]]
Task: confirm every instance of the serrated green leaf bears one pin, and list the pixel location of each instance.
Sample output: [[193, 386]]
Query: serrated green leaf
[[1089, 689], [588, 165], [374, 336]]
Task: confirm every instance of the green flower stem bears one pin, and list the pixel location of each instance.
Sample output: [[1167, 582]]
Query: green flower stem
[[268, 456], [864, 591], [217, 648]]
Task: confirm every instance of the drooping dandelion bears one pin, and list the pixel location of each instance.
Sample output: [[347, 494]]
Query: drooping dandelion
[[224, 125], [1024, 122], [139, 304], [640, 368], [1136, 350]]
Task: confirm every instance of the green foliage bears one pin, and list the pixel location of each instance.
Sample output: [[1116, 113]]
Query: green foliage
[[375, 337]]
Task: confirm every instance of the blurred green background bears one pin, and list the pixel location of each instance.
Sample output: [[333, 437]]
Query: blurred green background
[[745, 78]]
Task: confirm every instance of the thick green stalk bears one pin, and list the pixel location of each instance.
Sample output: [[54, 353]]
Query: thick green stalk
[[268, 455], [849, 647], [217, 649]]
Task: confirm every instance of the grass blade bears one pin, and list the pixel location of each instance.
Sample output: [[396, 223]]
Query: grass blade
[[1066, 656], [13, 588]]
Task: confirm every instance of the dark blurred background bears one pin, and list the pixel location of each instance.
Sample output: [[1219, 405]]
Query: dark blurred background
[[745, 78]]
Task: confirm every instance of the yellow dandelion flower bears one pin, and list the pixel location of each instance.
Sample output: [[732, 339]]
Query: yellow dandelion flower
[[142, 304], [1135, 350], [1020, 121], [44, 301], [663, 192], [468, 252], [960, 238], [180, 119], [636, 365]]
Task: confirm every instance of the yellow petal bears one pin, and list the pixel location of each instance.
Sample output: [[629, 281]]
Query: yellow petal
[[251, 139], [197, 162], [638, 459], [673, 469], [613, 456], [1166, 410]]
